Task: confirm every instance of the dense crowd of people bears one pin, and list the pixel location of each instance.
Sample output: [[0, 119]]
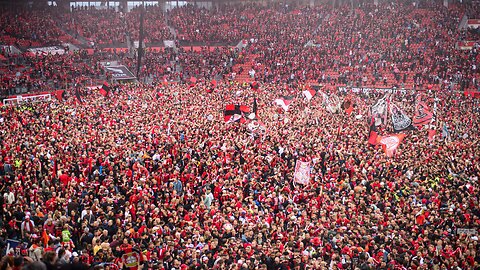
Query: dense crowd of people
[[98, 26], [289, 43], [363, 51], [155, 27], [153, 175], [46, 72], [227, 25], [156, 169], [30, 28], [27, 73], [111, 27]]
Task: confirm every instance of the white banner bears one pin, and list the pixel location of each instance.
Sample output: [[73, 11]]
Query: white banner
[[467, 231], [55, 50], [379, 111], [169, 44], [120, 72], [302, 172], [331, 103], [366, 90], [25, 99], [400, 120], [10, 49], [242, 44]]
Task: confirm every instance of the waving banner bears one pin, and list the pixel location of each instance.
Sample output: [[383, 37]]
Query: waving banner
[[332, 103], [13, 247], [400, 120], [379, 111], [284, 102], [302, 172], [131, 259], [235, 112], [309, 93], [347, 105], [423, 116], [390, 143]]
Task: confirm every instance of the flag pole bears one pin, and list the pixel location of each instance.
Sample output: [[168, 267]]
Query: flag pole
[[140, 42]]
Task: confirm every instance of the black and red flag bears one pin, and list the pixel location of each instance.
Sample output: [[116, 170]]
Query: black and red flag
[[255, 85], [213, 85], [77, 95], [347, 105], [105, 89], [309, 93], [193, 82], [373, 135], [423, 115], [284, 102], [235, 113]]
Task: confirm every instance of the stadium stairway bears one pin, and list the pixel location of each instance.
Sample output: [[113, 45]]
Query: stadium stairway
[[70, 37], [241, 69]]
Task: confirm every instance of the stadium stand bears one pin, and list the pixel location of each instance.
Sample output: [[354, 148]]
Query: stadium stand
[[255, 136]]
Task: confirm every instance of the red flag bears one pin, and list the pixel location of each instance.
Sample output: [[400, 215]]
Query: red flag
[[349, 110], [103, 92], [422, 115], [213, 85], [390, 143], [309, 93], [230, 107], [372, 139], [347, 105], [254, 86], [45, 238], [59, 94], [431, 134], [244, 109], [193, 81]]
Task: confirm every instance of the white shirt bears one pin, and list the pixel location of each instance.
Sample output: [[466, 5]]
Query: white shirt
[[156, 157], [9, 197]]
